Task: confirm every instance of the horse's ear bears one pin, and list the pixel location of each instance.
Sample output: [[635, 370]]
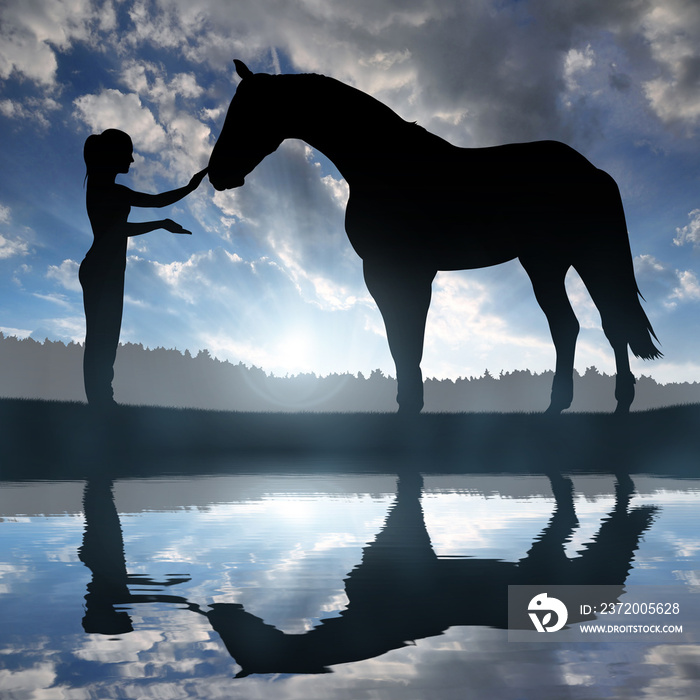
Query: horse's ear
[[241, 68]]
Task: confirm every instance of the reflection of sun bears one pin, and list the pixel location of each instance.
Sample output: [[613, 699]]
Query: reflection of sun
[[292, 508]]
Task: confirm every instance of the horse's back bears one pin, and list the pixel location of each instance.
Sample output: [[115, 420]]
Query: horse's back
[[457, 208]]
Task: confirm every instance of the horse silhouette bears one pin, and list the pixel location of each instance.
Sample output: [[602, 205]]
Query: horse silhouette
[[418, 205]]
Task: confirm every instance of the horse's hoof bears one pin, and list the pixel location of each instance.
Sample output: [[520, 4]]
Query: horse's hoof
[[556, 406], [562, 395], [552, 411]]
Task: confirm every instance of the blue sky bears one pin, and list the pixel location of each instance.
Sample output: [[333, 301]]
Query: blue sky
[[268, 277]]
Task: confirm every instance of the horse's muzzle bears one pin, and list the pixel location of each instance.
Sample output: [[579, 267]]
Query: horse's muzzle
[[221, 184]]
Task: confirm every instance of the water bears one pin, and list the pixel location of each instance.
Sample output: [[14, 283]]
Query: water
[[337, 585]]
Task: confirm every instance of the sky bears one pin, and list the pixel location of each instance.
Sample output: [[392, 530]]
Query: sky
[[268, 277]]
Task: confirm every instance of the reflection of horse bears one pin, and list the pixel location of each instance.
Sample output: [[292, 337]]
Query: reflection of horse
[[400, 591], [418, 205]]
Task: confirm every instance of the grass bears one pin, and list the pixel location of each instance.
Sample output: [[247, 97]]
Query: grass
[[64, 440]]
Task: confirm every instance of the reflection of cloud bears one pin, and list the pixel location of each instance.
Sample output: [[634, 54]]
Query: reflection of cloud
[[286, 562], [681, 662], [35, 681], [282, 546]]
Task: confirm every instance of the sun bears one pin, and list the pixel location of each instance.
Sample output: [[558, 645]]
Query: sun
[[296, 353]]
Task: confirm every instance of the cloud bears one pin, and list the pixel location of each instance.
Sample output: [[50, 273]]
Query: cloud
[[672, 286], [157, 112], [146, 79], [476, 73], [439, 63], [688, 287], [10, 244], [251, 311], [690, 233], [69, 329], [66, 274], [113, 109], [672, 28], [32, 33], [31, 109], [577, 61], [295, 213], [17, 332]]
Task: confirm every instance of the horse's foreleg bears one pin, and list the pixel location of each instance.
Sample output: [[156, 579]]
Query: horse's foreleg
[[547, 279], [403, 294]]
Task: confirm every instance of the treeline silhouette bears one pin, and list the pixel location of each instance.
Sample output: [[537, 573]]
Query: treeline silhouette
[[52, 370]]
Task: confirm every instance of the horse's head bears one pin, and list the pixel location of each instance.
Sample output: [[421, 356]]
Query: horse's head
[[250, 131]]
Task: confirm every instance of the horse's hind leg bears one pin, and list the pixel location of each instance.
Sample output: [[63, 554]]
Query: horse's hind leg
[[403, 295], [602, 281], [547, 279]]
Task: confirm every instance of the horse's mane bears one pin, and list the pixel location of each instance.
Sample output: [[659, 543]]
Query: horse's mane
[[355, 102]]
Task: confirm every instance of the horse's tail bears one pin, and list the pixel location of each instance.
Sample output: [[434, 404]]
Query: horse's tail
[[640, 332], [608, 273]]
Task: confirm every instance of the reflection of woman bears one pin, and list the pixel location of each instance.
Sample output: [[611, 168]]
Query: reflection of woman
[[102, 270]]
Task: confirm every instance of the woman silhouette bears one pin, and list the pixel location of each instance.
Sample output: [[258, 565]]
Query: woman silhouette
[[102, 271]]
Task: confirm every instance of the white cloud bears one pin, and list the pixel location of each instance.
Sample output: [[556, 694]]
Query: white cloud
[[577, 61], [672, 28], [32, 681], [476, 73], [31, 32], [17, 332], [670, 285], [147, 81], [151, 114], [690, 233], [31, 109], [66, 274], [114, 109], [688, 288], [12, 245], [69, 329], [9, 247]]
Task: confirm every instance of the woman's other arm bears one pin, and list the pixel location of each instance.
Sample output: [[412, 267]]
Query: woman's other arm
[[137, 229]]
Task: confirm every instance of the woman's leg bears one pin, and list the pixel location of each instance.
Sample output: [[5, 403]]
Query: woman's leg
[[103, 299]]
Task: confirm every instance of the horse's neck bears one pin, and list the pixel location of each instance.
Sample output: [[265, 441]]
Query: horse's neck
[[344, 124]]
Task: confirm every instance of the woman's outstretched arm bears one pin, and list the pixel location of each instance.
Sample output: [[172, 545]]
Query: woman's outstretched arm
[[141, 199]]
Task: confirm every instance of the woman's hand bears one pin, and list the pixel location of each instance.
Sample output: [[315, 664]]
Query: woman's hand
[[197, 179], [174, 227]]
